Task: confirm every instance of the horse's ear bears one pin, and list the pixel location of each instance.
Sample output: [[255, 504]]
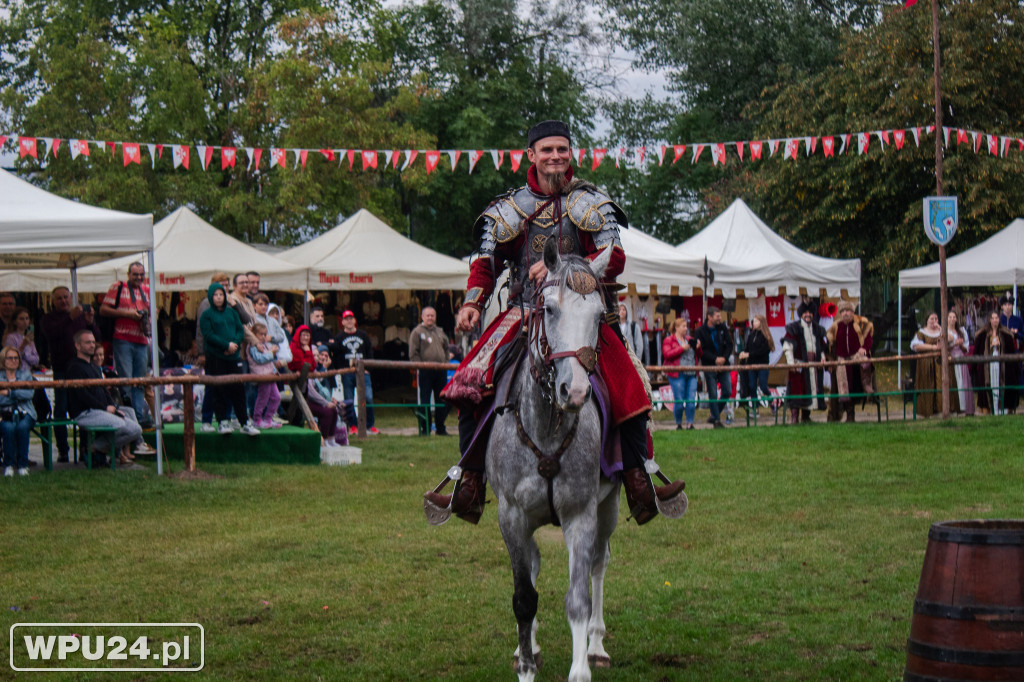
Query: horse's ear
[[551, 254], [600, 264]]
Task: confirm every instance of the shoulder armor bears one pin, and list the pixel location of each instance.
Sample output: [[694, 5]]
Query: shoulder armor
[[591, 210], [503, 219]]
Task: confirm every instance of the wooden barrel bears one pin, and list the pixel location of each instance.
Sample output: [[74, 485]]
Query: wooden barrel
[[968, 619]]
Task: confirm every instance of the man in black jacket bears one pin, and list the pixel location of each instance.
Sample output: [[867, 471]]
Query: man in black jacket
[[93, 405], [715, 343]]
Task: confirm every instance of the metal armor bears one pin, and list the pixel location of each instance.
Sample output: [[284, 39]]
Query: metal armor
[[583, 207]]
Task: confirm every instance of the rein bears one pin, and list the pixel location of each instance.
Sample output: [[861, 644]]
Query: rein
[[548, 466]]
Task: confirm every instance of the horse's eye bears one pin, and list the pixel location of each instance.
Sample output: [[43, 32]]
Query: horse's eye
[[550, 308]]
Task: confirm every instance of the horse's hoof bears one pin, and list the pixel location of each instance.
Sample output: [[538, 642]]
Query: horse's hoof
[[538, 661], [675, 507], [599, 661], [436, 515]]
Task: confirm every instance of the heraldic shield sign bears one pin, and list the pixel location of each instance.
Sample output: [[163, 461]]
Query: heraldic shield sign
[[941, 216]]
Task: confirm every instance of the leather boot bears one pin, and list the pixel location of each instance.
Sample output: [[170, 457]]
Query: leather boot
[[851, 413], [640, 494], [469, 496]]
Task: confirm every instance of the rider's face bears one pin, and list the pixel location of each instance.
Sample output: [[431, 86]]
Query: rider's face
[[551, 155]]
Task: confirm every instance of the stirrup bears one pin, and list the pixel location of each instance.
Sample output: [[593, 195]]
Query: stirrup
[[436, 515], [674, 507]]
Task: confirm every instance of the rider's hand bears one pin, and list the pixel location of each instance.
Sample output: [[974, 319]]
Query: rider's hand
[[468, 318], [539, 272]]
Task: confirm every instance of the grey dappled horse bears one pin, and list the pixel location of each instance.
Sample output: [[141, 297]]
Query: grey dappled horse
[[550, 410]]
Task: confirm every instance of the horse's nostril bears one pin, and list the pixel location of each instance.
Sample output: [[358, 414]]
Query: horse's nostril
[[563, 392]]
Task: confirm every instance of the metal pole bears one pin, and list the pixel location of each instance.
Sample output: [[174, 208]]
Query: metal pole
[[154, 347], [899, 338], [943, 294]]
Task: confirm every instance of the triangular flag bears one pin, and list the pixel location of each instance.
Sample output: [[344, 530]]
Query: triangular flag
[[993, 145], [350, 154], [844, 144], [828, 146], [248, 152], [945, 136], [885, 137], [580, 154], [739, 150], [679, 150], [697, 149], [388, 155], [113, 148], [618, 155], [395, 156], [917, 137], [755, 149], [498, 157], [792, 147], [882, 135], [1005, 145], [302, 155], [204, 160], [453, 156], [515, 157], [78, 147], [329, 155], [55, 145], [27, 147], [278, 157], [130, 152], [640, 152], [597, 155], [474, 156], [898, 137], [910, 3], [3, 139], [341, 155], [257, 154], [180, 155], [809, 145], [410, 156], [961, 136], [863, 140], [152, 154], [369, 157], [433, 156], [977, 141], [717, 153], [227, 157], [930, 129], [47, 145], [773, 146], [661, 155]]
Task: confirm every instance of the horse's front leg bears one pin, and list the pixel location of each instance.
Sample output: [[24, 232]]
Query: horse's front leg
[[534, 573], [521, 551], [607, 518], [579, 539]]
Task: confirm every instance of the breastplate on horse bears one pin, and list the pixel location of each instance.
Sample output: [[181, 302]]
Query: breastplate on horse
[[514, 231]]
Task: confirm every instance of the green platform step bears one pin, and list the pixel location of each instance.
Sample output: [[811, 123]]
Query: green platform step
[[286, 445]]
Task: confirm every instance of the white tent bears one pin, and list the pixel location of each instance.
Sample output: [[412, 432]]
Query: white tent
[[999, 260], [748, 255], [656, 267], [187, 251], [42, 230], [364, 253]]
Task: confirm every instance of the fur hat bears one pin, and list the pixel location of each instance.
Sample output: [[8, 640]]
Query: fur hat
[[805, 307], [845, 305], [1006, 298], [548, 129]]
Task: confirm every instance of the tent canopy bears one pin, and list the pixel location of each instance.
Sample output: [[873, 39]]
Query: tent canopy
[[42, 230], [654, 266], [187, 251], [747, 254], [364, 253], [999, 260]]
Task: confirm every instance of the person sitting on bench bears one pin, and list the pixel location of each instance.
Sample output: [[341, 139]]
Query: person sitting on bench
[[93, 406]]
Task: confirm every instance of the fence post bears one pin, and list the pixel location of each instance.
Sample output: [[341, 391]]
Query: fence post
[[189, 417], [361, 397]]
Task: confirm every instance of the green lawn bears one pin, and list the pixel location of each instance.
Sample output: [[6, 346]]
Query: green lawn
[[798, 560]]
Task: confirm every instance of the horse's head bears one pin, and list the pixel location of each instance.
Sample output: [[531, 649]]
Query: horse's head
[[570, 306]]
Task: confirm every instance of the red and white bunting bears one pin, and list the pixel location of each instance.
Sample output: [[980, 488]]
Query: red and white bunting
[[474, 157], [898, 138], [53, 144], [618, 155], [581, 153], [410, 156], [773, 146], [792, 147], [845, 142], [598, 156], [1005, 146], [350, 155], [678, 150], [810, 144], [755, 149], [227, 157], [945, 136], [278, 157], [369, 157], [977, 141], [204, 160], [329, 154], [697, 150], [453, 156], [883, 137], [154, 150], [828, 146], [300, 157], [739, 150], [27, 147], [388, 155], [113, 148], [863, 140], [515, 158], [961, 136], [179, 155], [78, 147], [254, 154], [498, 157], [131, 153], [395, 156], [993, 145], [3, 139], [433, 156], [640, 153], [661, 154], [917, 137], [717, 153]]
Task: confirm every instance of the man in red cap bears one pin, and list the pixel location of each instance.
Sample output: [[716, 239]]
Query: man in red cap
[[349, 345], [514, 230]]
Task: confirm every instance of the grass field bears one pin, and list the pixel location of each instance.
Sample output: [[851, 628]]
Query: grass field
[[798, 560]]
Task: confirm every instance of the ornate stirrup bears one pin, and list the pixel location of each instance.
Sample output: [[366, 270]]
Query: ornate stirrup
[[436, 515], [674, 507]]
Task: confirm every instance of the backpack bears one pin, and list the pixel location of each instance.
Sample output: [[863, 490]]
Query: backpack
[[106, 324]]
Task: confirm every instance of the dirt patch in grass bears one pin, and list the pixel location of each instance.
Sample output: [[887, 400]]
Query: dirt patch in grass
[[197, 475]]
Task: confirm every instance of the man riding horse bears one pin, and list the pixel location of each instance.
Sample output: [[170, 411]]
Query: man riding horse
[[513, 231]]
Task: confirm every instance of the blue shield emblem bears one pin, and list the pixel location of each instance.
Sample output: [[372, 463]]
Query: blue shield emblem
[[941, 216]]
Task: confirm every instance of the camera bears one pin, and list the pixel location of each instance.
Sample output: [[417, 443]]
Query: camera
[[144, 323]]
